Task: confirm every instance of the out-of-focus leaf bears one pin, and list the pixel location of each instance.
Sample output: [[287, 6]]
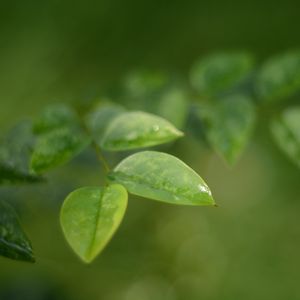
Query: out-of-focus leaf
[[90, 216], [14, 243], [228, 125], [279, 77], [99, 118], [60, 137], [137, 130], [57, 147], [173, 106], [286, 133], [55, 116], [162, 177], [220, 71], [143, 83], [15, 151]]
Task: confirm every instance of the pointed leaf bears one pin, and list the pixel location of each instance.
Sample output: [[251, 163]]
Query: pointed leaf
[[228, 125], [220, 71], [15, 151], [286, 133], [162, 177], [279, 77], [13, 242], [137, 130], [90, 216]]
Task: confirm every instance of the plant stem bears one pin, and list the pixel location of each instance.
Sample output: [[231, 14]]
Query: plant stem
[[100, 156], [95, 146]]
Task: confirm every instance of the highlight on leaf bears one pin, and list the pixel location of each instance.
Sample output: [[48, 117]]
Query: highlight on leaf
[[163, 177], [132, 130]]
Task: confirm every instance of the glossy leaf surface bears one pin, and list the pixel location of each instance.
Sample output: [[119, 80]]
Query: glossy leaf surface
[[220, 71], [137, 130], [14, 243], [286, 133], [228, 125], [162, 177], [279, 77], [90, 216]]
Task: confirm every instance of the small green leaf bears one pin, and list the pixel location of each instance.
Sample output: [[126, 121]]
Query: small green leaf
[[15, 151], [279, 77], [286, 133], [137, 130], [142, 83], [13, 242], [173, 106], [161, 177], [57, 147], [54, 117], [220, 71], [99, 118], [228, 125], [90, 216]]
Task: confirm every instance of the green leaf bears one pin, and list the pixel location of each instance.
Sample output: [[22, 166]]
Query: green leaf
[[90, 216], [137, 130], [99, 118], [13, 242], [228, 125], [279, 77], [162, 177], [142, 83], [220, 71], [15, 151], [286, 133], [54, 117], [173, 106], [57, 147]]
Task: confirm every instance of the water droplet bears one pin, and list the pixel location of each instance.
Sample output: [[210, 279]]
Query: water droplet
[[204, 189], [155, 128]]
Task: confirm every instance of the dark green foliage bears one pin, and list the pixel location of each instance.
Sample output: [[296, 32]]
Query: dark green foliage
[[15, 152], [224, 113], [13, 241]]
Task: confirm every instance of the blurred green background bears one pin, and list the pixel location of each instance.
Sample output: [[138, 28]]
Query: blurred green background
[[247, 248]]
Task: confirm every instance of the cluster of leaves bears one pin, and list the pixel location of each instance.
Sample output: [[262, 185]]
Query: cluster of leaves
[[223, 99]]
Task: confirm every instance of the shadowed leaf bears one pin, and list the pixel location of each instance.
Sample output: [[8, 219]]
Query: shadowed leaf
[[286, 132]]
